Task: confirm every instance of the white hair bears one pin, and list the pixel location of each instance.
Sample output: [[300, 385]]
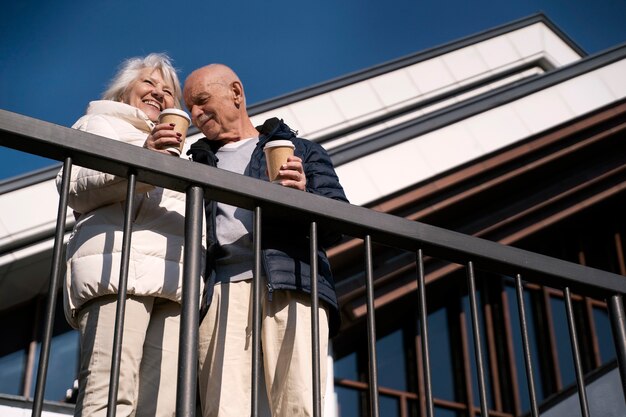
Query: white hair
[[130, 69]]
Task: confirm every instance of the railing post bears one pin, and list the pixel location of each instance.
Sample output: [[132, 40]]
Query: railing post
[[371, 328], [519, 290], [423, 319], [315, 326], [256, 314], [55, 273], [121, 297], [618, 327], [580, 378], [189, 317], [478, 352]]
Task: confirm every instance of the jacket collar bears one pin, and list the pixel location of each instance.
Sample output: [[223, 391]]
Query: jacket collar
[[124, 111], [271, 129]]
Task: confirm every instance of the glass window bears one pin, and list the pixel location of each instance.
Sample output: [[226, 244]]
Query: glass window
[[444, 412], [388, 406], [348, 402], [347, 367], [471, 349], [440, 355], [563, 345], [518, 346], [391, 361], [605, 336], [16, 327], [12, 372], [62, 365]]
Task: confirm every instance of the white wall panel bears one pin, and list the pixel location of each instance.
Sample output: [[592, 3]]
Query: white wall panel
[[542, 110], [397, 167], [527, 41], [448, 147], [431, 75], [357, 100], [355, 177], [497, 52], [496, 128], [32, 215], [316, 114], [614, 76], [557, 48], [7, 411], [465, 63], [395, 87], [585, 93], [3, 230]]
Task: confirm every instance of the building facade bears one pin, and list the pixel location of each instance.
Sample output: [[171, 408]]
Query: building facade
[[514, 135]]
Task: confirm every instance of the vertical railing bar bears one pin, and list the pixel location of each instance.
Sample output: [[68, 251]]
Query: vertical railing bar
[[55, 273], [423, 314], [256, 314], [618, 327], [315, 325], [189, 317], [478, 353], [371, 328], [534, 409], [121, 296], [509, 348], [465, 365], [580, 378]]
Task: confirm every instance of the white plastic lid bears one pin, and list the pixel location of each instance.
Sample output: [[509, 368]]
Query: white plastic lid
[[175, 111], [275, 143]]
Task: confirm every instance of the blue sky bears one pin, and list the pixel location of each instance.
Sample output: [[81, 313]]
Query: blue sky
[[56, 56]]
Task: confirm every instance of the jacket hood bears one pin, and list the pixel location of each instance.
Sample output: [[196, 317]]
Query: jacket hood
[[276, 129]]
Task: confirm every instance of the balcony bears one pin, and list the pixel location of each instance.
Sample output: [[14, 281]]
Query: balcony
[[374, 241]]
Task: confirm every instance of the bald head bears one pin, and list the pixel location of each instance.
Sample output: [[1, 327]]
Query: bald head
[[217, 73], [215, 98]]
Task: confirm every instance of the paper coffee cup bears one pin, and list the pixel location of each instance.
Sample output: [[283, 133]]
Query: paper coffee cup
[[181, 123], [276, 154]]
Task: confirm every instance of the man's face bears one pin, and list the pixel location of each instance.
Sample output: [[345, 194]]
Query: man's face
[[211, 105]]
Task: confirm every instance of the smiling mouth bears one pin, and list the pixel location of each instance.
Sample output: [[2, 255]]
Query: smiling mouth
[[153, 104]]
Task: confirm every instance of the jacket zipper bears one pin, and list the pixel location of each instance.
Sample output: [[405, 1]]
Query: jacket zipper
[[270, 291]]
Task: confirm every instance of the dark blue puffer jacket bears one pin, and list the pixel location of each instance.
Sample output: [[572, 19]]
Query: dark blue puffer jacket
[[285, 256]]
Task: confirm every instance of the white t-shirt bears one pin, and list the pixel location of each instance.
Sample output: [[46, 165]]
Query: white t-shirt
[[235, 260]]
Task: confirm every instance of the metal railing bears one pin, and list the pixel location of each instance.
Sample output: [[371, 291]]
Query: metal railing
[[196, 180]]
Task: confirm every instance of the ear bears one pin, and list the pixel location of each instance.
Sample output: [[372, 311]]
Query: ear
[[237, 90]]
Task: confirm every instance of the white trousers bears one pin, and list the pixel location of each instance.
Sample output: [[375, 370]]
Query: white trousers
[[225, 352], [148, 368]]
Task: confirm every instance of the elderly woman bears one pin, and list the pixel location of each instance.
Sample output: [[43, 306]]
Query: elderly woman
[[128, 112]]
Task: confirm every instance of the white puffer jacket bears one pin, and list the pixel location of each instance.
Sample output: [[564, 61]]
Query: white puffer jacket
[[95, 245]]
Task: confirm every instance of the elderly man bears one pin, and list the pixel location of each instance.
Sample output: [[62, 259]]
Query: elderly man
[[215, 98]]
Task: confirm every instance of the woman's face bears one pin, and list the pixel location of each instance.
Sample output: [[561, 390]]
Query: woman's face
[[150, 93]]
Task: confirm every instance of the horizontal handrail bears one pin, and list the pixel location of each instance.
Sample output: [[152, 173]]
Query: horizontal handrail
[[57, 142]]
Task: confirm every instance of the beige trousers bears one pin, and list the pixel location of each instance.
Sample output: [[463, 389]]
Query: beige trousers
[[225, 352], [148, 368]]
